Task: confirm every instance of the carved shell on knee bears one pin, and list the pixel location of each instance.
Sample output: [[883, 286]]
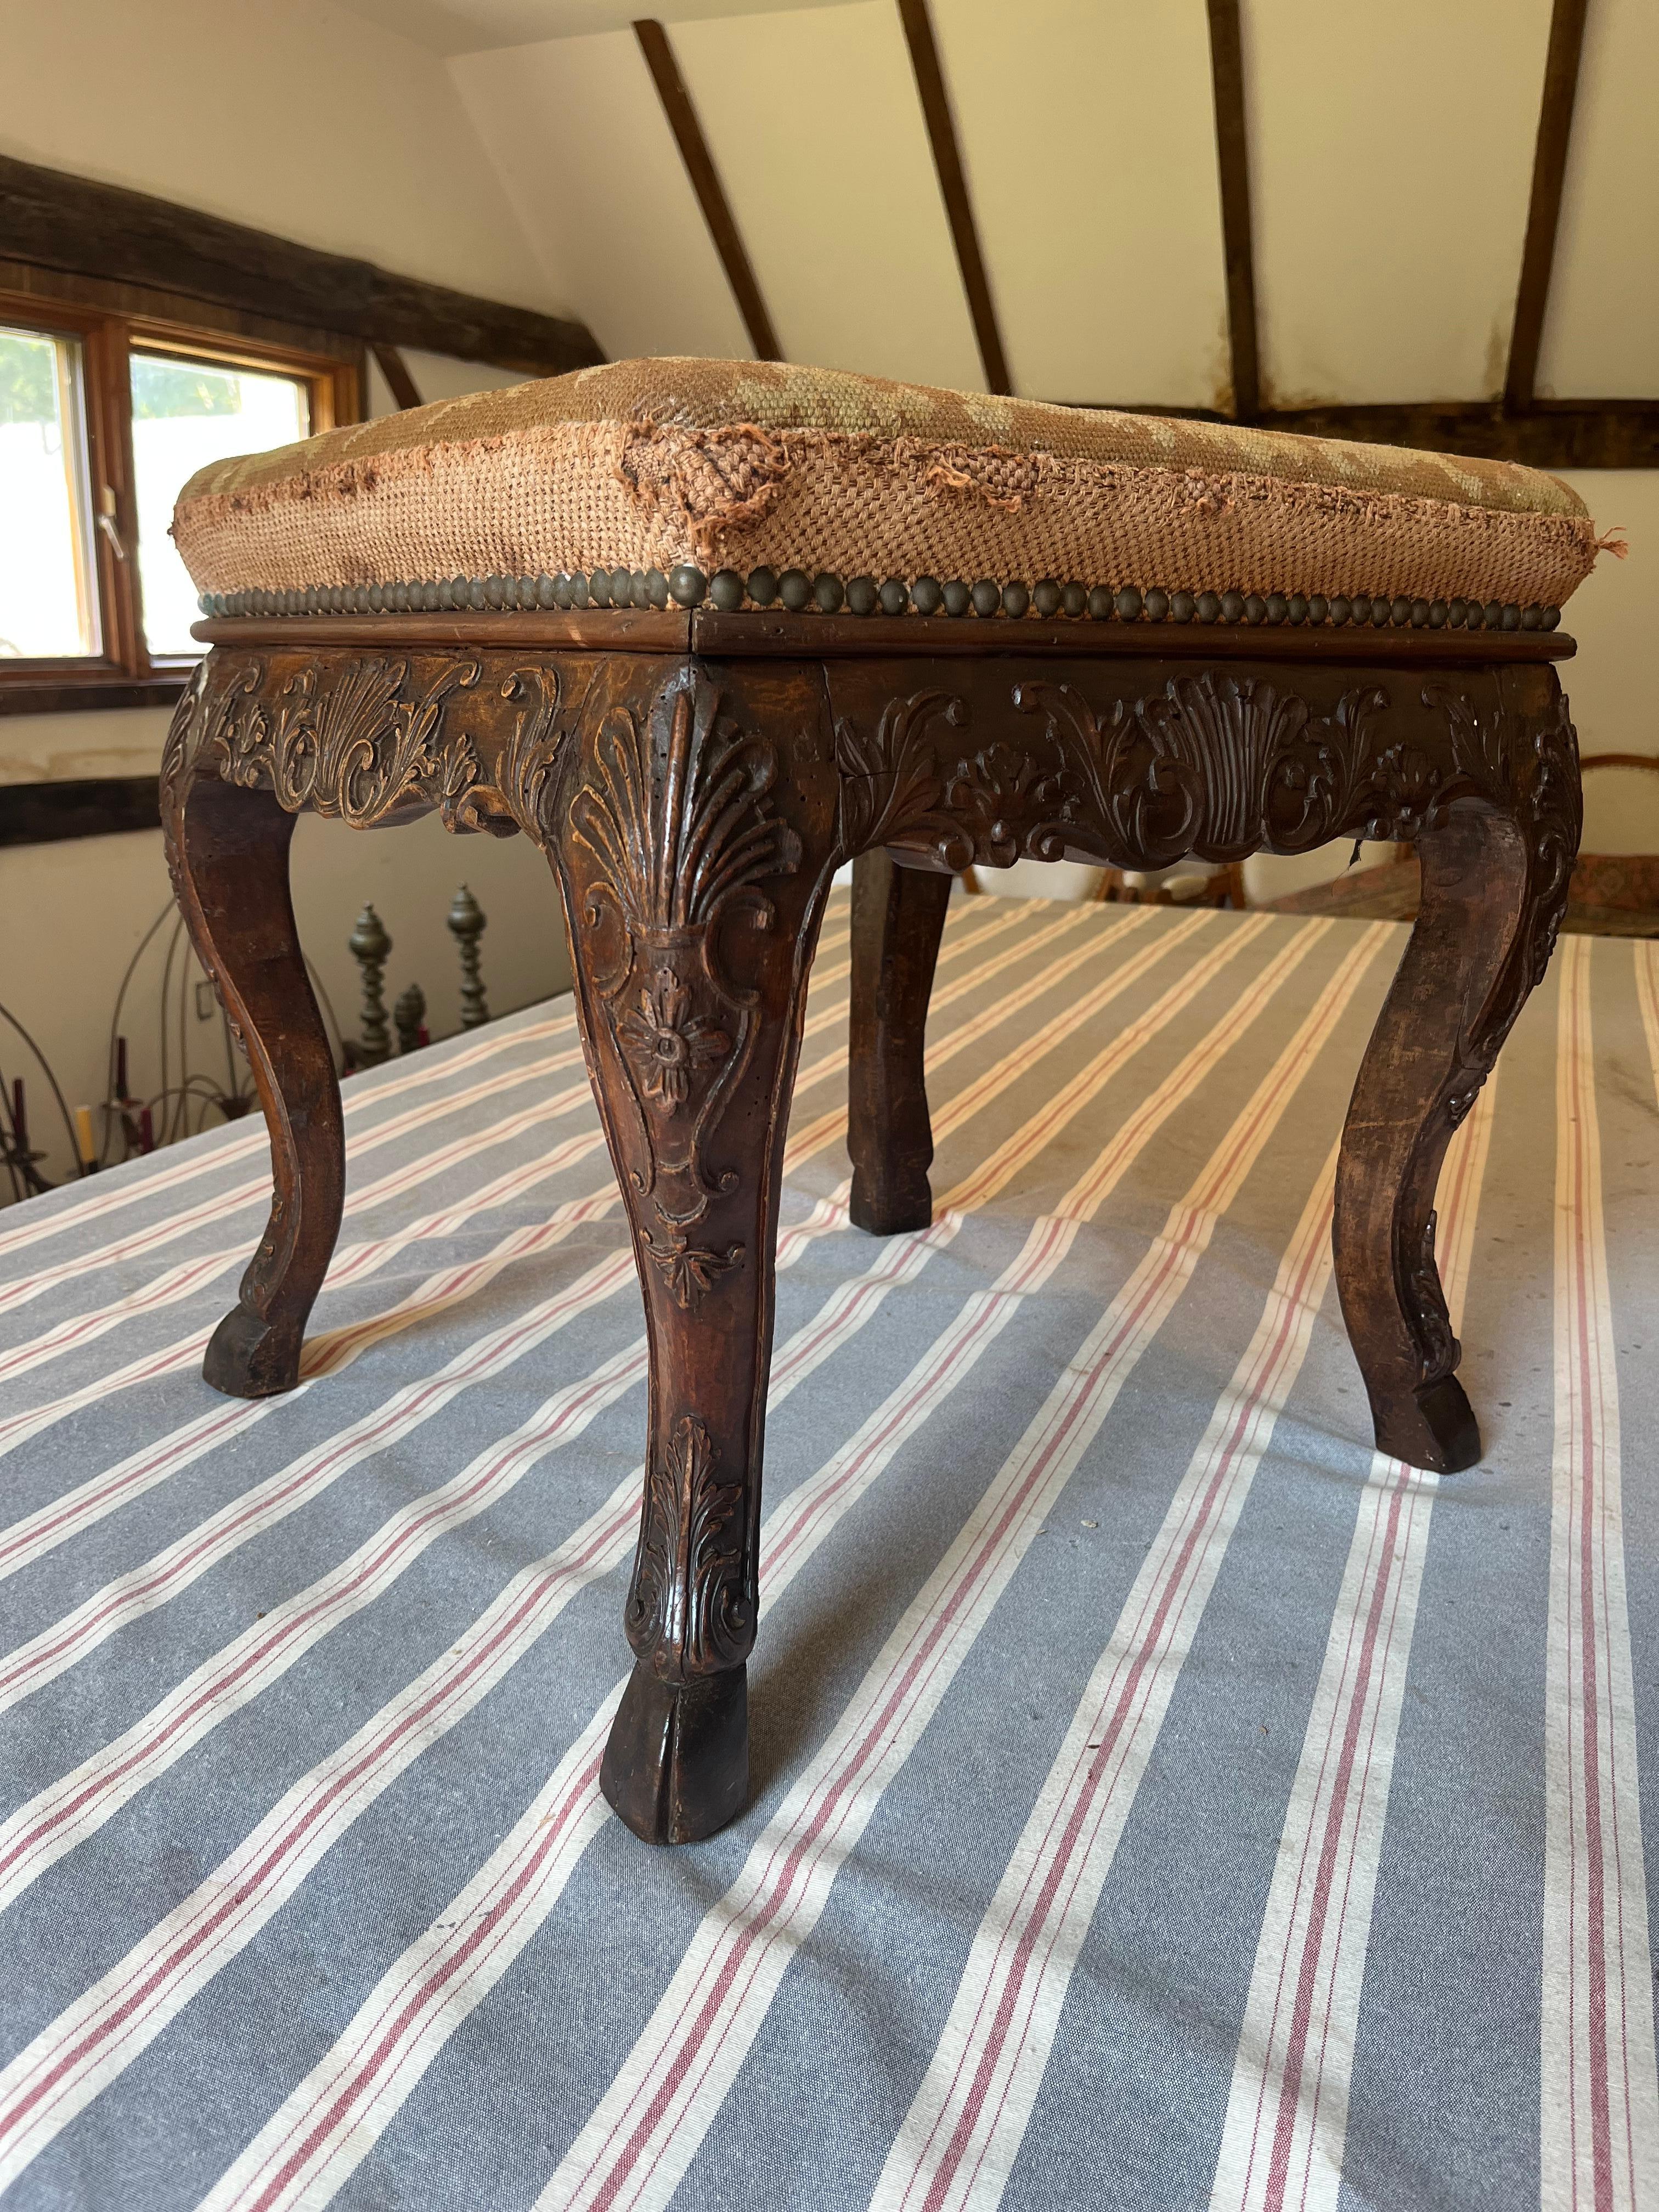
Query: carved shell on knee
[[682, 838]]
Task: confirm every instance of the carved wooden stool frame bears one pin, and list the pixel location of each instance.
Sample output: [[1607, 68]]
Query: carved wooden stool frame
[[695, 780]]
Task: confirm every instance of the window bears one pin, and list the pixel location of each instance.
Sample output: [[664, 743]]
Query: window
[[48, 599], [104, 415], [186, 413]]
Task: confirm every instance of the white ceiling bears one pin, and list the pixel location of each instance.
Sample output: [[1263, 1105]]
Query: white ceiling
[[1601, 341], [1390, 181], [471, 27], [1390, 160]]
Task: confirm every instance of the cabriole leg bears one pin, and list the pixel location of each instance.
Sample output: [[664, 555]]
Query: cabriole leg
[[227, 852], [693, 873], [1471, 962], [898, 918]]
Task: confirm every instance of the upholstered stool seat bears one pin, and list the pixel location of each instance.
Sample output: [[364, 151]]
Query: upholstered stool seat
[[707, 631], [655, 481]]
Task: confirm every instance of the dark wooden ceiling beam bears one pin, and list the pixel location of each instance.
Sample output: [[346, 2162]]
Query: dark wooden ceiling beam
[[1607, 434], [1549, 170], [705, 181], [953, 189], [1238, 237], [55, 220], [395, 369], [1553, 433]]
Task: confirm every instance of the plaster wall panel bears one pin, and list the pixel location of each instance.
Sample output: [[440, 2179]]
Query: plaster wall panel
[[1390, 166], [816, 132], [301, 119], [72, 916], [1602, 329], [1088, 137], [592, 170], [440, 376]]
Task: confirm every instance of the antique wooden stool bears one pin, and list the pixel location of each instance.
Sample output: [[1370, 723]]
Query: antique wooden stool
[[705, 631]]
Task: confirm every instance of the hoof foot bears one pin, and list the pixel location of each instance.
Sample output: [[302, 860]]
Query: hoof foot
[[890, 1212], [247, 1357], [1436, 1428], [675, 1768]]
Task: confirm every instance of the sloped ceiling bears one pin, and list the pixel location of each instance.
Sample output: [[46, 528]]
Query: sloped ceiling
[[1390, 160]]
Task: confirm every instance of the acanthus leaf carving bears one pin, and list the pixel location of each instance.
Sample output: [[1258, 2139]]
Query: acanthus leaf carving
[[1213, 765], [187, 733], [689, 1610], [891, 788], [524, 792], [363, 739], [687, 1269], [353, 744]]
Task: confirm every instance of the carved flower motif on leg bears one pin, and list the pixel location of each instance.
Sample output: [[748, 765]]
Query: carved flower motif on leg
[[665, 1040], [688, 1269]]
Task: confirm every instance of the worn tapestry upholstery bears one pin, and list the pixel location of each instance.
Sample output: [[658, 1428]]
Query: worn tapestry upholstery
[[642, 465], [1160, 1800]]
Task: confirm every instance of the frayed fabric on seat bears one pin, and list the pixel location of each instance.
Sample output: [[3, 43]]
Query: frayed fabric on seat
[[648, 465]]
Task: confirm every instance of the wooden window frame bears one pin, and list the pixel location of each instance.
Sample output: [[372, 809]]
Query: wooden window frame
[[110, 322]]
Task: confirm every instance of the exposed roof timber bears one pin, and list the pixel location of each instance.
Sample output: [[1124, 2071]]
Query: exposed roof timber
[[953, 189], [1232, 158], [1549, 170], [1553, 433], [704, 179], [395, 369], [58, 221]]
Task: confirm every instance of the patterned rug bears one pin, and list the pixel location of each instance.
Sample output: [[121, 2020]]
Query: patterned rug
[[1160, 1800]]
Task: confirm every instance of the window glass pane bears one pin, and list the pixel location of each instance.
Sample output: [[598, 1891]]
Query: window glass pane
[[185, 414], [48, 597]]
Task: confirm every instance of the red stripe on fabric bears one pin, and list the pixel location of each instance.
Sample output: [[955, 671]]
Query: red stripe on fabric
[[124, 1601], [830, 1803], [1302, 2009], [257, 1656], [835, 1795], [1593, 1628], [1145, 1641]]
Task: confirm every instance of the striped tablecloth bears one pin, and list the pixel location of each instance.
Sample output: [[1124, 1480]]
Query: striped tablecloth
[[1160, 1800]]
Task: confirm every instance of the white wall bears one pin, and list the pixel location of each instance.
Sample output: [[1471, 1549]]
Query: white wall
[[72, 916], [292, 115], [1610, 680], [298, 118]]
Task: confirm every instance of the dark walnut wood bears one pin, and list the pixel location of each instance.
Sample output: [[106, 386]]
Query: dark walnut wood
[[898, 918], [227, 855], [694, 806]]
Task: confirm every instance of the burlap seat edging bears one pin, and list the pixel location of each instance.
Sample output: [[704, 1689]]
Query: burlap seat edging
[[574, 496]]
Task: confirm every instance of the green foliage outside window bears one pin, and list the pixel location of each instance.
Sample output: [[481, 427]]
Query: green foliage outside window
[[166, 389], [28, 379]]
